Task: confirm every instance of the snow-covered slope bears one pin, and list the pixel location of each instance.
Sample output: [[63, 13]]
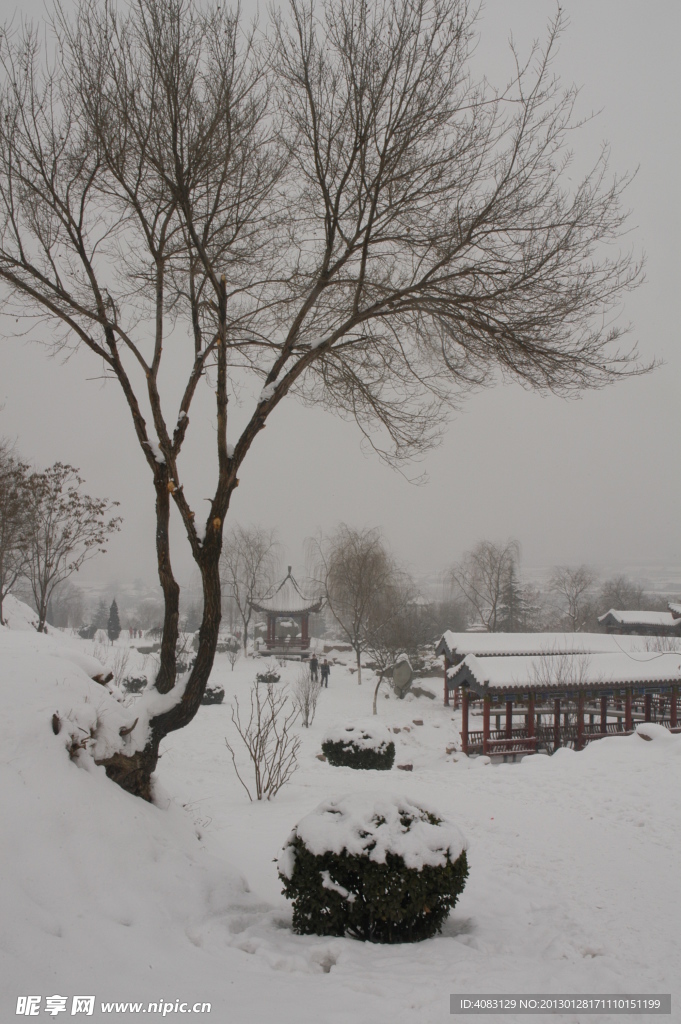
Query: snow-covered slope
[[18, 615], [573, 859]]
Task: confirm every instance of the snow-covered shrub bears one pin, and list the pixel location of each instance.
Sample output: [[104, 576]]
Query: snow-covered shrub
[[134, 684], [378, 867], [270, 674], [359, 745], [213, 694]]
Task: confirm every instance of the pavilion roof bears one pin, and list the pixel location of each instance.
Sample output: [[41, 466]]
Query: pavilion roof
[[561, 673], [498, 644], [675, 609], [287, 599]]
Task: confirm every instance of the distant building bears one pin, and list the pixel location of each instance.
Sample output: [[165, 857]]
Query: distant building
[[455, 646], [641, 623]]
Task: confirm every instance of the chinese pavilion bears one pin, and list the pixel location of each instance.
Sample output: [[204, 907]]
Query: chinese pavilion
[[287, 602]]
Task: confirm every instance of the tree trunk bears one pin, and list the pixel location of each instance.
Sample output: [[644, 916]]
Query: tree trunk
[[133, 772], [380, 680], [359, 666], [42, 617]]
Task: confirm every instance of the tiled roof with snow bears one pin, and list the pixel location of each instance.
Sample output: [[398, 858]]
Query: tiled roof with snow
[[638, 618], [498, 644], [287, 599], [560, 672], [675, 609]]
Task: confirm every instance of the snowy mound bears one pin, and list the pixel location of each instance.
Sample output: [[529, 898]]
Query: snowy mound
[[369, 734], [374, 825], [96, 884], [653, 731], [17, 615]]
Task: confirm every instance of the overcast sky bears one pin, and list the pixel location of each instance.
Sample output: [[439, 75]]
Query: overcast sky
[[594, 480]]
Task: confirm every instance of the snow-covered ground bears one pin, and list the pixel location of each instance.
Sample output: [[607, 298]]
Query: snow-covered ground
[[574, 863]]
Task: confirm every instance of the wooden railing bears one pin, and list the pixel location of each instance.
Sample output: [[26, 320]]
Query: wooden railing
[[498, 742], [288, 643]]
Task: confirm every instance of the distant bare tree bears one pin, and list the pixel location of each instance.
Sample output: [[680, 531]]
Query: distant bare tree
[[354, 571], [621, 593], [65, 529], [248, 568], [305, 694], [13, 521], [561, 670], [66, 606], [573, 587], [482, 577], [342, 213], [396, 626]]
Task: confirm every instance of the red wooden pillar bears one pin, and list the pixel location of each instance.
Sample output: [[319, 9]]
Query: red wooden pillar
[[672, 708], [530, 717], [647, 705], [446, 687], [579, 745], [556, 724], [464, 719], [628, 720], [304, 629], [509, 719], [485, 723], [604, 714]]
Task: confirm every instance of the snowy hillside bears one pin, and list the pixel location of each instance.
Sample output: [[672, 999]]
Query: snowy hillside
[[573, 859]]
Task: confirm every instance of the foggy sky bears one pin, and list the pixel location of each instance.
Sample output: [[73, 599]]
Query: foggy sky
[[594, 480]]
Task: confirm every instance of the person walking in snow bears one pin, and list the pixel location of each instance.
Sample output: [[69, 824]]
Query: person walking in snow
[[314, 665], [326, 672]]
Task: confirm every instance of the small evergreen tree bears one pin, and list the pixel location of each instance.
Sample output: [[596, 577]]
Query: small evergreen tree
[[512, 611], [113, 626]]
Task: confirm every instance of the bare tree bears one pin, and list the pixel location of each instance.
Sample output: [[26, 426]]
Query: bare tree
[[350, 218], [13, 521], [353, 570], [271, 748], [306, 692], [560, 670], [248, 568], [396, 626], [573, 587], [483, 576], [621, 593], [66, 606], [65, 529], [233, 651]]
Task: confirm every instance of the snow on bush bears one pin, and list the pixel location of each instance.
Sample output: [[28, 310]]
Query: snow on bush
[[364, 744], [379, 867], [213, 694]]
